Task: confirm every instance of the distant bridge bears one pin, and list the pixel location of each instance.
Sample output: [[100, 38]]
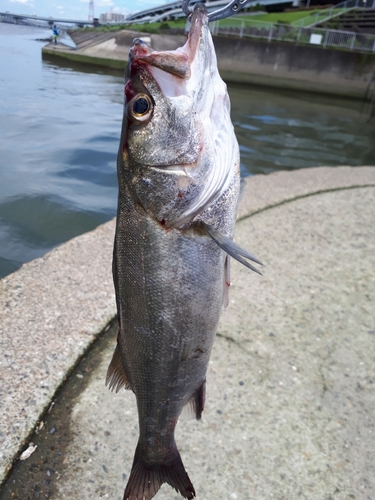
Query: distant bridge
[[163, 12], [8, 17], [173, 10]]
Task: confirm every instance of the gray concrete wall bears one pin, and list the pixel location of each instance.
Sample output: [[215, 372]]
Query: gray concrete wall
[[286, 65]]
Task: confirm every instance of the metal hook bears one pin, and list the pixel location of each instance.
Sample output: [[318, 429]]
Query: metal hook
[[233, 7]]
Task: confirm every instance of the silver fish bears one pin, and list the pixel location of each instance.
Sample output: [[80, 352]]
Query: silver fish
[[179, 184]]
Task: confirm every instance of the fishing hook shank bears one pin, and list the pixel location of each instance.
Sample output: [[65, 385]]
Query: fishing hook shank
[[233, 7]]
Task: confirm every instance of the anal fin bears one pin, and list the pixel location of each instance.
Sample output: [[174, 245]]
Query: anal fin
[[116, 377], [195, 406]]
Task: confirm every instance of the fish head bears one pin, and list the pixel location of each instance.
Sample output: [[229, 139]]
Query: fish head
[[178, 151]]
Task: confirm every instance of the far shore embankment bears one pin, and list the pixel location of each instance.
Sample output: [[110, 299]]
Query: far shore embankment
[[281, 65]]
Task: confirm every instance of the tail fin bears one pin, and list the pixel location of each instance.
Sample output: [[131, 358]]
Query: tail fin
[[146, 479]]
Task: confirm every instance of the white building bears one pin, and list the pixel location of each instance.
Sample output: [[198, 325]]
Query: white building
[[111, 17]]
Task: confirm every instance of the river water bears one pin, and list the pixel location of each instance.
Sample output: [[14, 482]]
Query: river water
[[60, 125]]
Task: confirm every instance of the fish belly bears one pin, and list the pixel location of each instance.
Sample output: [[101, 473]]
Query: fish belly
[[170, 288]]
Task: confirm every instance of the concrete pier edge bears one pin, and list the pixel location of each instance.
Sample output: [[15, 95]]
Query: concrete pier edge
[[81, 58], [54, 307], [281, 65]]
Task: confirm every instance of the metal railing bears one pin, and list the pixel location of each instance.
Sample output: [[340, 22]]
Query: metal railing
[[287, 33], [333, 11], [322, 16]]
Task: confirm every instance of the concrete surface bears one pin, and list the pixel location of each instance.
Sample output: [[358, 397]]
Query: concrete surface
[[51, 310], [290, 387]]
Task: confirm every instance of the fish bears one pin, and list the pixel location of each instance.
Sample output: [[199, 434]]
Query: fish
[[179, 185]]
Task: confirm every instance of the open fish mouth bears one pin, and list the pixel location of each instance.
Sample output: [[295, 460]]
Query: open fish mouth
[[176, 62]]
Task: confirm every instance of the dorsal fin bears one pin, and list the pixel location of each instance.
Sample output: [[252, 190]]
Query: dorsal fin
[[116, 377]]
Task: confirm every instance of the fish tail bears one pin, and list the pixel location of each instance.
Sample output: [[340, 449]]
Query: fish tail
[[146, 479]]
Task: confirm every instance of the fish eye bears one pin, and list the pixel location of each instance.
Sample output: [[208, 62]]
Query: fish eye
[[140, 108]]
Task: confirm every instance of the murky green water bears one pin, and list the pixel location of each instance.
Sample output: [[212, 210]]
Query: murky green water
[[60, 128]]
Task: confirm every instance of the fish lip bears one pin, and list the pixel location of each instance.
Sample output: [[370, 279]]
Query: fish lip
[[166, 167], [175, 168]]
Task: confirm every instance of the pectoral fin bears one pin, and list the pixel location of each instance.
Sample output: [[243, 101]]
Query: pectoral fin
[[232, 248], [226, 281], [242, 188]]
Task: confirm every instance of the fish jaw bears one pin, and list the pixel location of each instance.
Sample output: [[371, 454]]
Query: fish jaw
[[186, 155], [175, 62]]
